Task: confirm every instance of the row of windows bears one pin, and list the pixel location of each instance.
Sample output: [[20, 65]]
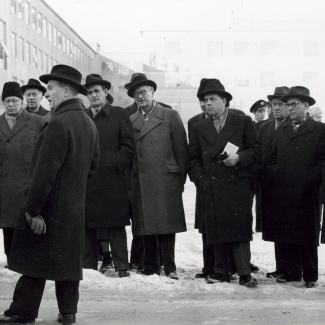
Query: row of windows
[[49, 31]]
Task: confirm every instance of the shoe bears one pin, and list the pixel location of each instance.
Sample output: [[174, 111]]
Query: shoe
[[173, 275], [254, 268], [201, 275], [148, 272], [274, 275], [8, 317], [248, 281], [66, 319], [311, 284], [288, 278], [123, 273], [217, 278], [107, 263]]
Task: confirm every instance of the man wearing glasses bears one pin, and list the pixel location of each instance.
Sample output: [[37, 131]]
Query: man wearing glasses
[[294, 175], [158, 176], [18, 132]]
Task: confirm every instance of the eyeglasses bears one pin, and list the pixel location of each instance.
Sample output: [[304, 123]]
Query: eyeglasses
[[13, 101], [292, 105], [141, 92]]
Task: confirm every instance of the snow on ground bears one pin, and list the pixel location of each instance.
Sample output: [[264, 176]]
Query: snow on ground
[[107, 299]]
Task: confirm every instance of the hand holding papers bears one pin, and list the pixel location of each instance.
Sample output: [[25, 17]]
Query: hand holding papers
[[232, 157]]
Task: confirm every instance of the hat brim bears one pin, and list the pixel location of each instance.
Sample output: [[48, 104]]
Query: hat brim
[[149, 83], [105, 83], [270, 97], [311, 101], [45, 78], [218, 92], [109, 98], [41, 88]]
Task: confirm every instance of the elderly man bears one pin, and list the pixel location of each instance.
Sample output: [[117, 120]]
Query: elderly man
[[18, 132], [224, 151], [33, 92], [158, 176], [49, 236], [294, 173], [107, 211], [266, 137], [316, 113]]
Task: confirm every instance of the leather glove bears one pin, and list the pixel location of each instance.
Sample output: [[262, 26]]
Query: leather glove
[[37, 224]]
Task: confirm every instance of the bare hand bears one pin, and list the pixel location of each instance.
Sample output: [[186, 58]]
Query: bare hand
[[37, 224], [232, 160]]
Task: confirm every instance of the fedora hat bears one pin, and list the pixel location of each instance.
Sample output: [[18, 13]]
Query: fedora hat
[[261, 103], [139, 79], [109, 98], [201, 86], [35, 84], [96, 79], [66, 74], [279, 92], [213, 86], [301, 93]]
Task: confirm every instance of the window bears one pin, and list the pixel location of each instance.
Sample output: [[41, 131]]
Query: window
[[50, 33], [68, 46], [44, 27], [54, 35], [63, 43], [49, 64], [214, 50], [310, 49], [20, 9], [27, 53], [27, 13], [20, 48], [59, 40], [13, 45], [40, 59], [267, 48], [34, 56], [33, 18], [241, 49], [13, 6], [39, 22], [44, 61], [3, 49]]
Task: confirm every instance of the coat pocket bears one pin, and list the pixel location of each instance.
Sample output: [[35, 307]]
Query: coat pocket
[[173, 169]]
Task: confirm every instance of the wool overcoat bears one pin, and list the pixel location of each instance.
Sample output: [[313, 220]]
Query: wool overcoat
[[294, 175], [16, 148], [159, 172], [41, 111], [107, 201], [65, 154], [226, 192]]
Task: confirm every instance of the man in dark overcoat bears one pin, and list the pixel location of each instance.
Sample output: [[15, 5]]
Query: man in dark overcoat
[[266, 137], [294, 173], [49, 236], [18, 132], [226, 183], [107, 211], [158, 176], [33, 92]]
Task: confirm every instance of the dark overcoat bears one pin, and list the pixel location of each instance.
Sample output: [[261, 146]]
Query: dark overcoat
[[198, 222], [226, 192], [16, 146], [41, 111], [159, 172], [65, 154], [294, 173], [107, 201]]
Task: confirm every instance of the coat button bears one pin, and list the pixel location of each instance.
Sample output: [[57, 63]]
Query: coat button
[[232, 176], [213, 177], [204, 152]]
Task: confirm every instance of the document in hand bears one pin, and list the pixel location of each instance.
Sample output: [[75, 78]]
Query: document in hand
[[230, 148]]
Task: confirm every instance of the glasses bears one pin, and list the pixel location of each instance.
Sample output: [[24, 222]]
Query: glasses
[[13, 101], [292, 105], [141, 92]]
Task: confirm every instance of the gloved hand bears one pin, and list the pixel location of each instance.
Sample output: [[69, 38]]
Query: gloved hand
[[37, 223]]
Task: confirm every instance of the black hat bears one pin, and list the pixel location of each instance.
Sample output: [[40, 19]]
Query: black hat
[[261, 103], [35, 84], [96, 79], [11, 88], [109, 98], [299, 92], [139, 79], [201, 87], [213, 86], [66, 74], [279, 92]]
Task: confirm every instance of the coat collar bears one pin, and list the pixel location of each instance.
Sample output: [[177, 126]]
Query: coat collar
[[138, 122], [271, 130], [68, 105], [6, 132], [307, 126], [106, 109]]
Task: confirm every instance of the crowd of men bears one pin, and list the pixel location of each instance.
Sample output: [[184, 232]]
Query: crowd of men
[[72, 179]]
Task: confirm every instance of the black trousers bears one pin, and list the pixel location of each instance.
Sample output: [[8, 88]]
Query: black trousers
[[137, 249], [280, 256], [8, 234], [258, 209], [208, 257], [152, 252], [29, 291]]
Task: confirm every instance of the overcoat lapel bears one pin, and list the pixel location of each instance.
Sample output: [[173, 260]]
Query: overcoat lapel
[[271, 131], [304, 128], [209, 131], [4, 128], [20, 124]]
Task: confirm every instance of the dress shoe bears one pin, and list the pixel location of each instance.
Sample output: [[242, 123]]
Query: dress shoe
[[173, 275], [311, 284], [201, 275], [274, 275], [107, 263], [288, 278], [8, 317], [254, 268], [217, 278], [248, 281], [66, 319], [123, 273], [148, 272]]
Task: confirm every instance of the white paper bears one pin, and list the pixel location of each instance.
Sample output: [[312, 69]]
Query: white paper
[[231, 148]]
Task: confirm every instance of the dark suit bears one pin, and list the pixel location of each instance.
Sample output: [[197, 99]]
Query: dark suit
[[41, 111], [294, 173]]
